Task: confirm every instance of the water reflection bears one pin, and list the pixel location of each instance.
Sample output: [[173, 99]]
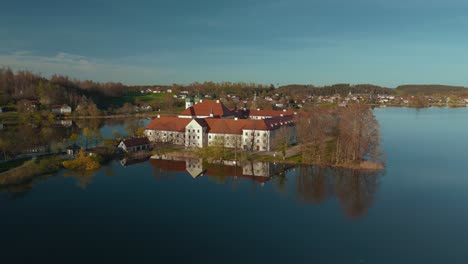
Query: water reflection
[[31, 139], [258, 172], [355, 190]]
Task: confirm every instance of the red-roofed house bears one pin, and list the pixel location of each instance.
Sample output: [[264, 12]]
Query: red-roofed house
[[167, 129], [207, 108], [135, 144]]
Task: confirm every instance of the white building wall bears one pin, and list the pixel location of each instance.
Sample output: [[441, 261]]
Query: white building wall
[[256, 168], [229, 140], [195, 135], [256, 140], [177, 138]]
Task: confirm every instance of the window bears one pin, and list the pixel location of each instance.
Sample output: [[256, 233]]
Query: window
[[258, 140], [198, 137], [246, 133], [209, 137], [258, 134], [198, 130]]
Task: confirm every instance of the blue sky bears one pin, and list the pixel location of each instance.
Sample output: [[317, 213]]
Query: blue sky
[[266, 41]]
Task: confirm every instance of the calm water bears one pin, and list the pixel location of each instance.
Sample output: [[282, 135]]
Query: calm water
[[414, 212]]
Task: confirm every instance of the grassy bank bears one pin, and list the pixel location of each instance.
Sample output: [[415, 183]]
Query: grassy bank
[[30, 169]]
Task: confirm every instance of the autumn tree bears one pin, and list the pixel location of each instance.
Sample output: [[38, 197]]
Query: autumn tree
[[281, 140], [358, 135]]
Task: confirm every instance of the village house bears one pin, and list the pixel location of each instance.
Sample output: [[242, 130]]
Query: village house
[[210, 123], [61, 109], [135, 144]]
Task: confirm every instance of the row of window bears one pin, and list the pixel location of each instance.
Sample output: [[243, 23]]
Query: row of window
[[258, 134]]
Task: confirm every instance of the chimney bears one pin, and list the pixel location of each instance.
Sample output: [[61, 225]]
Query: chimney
[[284, 110], [217, 101], [258, 109], [281, 115], [235, 118], [201, 100], [159, 116]]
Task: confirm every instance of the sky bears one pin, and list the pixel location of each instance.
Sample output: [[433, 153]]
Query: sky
[[384, 42]]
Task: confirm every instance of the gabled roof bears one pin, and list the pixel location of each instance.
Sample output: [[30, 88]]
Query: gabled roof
[[132, 142], [207, 107], [169, 123]]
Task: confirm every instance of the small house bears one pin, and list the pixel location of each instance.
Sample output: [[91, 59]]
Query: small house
[[61, 109], [73, 149], [135, 144]]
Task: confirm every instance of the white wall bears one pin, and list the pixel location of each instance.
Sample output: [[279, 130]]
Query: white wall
[[177, 138], [256, 140], [195, 135]]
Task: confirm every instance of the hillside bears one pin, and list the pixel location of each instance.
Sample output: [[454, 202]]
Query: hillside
[[342, 89], [430, 89]]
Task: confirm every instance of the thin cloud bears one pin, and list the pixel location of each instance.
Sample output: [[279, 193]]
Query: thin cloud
[[82, 67]]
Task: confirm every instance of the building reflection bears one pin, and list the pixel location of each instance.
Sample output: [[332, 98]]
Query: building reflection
[[258, 172]]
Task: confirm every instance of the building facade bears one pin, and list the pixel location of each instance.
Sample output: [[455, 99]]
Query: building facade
[[193, 128]]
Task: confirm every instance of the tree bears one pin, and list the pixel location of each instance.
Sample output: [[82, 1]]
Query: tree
[[92, 109], [281, 140], [116, 134], [358, 135], [5, 145], [134, 127]]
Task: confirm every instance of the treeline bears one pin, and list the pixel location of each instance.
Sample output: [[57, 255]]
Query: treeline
[[222, 89], [342, 136], [25, 85], [341, 89], [431, 90]]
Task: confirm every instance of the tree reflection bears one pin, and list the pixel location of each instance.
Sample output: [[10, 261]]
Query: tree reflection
[[355, 190], [84, 178], [311, 184]]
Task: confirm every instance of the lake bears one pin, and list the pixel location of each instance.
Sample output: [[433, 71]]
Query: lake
[[179, 211]]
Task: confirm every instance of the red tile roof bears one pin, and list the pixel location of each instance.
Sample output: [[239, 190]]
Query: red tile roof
[[169, 123], [218, 125], [169, 165], [206, 107], [233, 126]]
